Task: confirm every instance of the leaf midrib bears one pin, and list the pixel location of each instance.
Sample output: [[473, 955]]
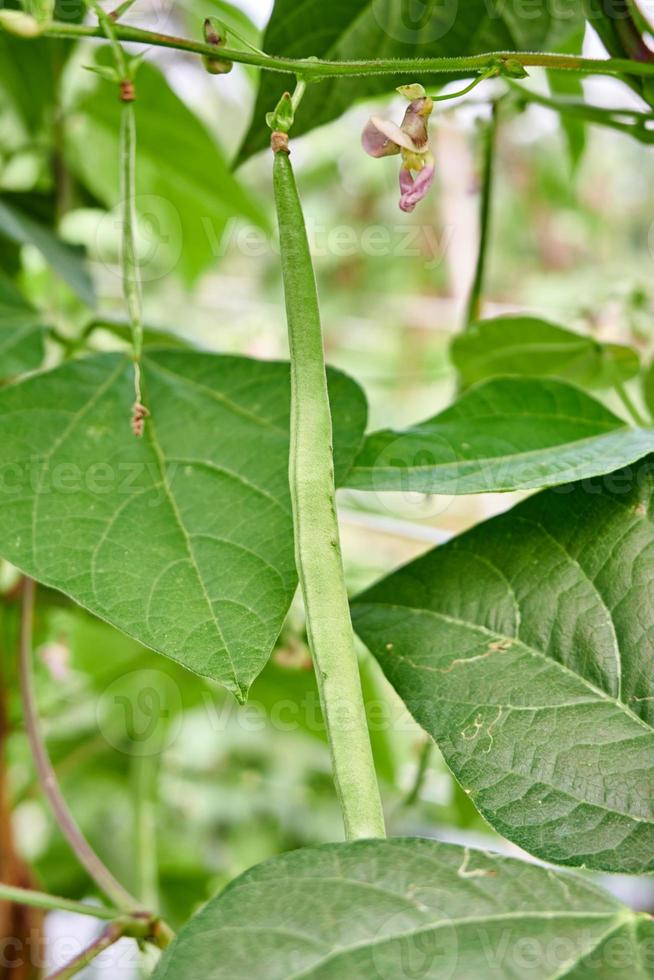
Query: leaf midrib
[[562, 446], [619, 922], [160, 457]]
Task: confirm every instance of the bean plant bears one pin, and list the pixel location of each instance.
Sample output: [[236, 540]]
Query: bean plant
[[524, 647]]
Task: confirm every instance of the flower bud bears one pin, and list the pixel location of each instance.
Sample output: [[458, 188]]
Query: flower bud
[[281, 119], [512, 68], [216, 35], [412, 92], [18, 23]]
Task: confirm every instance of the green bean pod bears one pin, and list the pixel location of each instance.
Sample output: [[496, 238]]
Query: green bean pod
[[317, 544]]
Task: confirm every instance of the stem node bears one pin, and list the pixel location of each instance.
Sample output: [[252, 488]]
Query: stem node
[[279, 143]]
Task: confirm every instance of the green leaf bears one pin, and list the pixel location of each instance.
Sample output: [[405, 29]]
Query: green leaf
[[648, 388], [504, 434], [570, 85], [389, 909], [182, 539], [21, 333], [526, 648], [26, 78], [620, 33], [385, 29], [186, 193], [67, 261], [533, 347]]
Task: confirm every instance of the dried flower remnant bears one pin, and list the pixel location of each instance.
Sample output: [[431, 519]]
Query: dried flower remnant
[[382, 138], [139, 415]]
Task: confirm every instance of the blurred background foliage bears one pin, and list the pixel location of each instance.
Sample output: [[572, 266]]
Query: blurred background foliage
[[137, 741]]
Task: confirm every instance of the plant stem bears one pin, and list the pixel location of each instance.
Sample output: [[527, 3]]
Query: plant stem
[[108, 30], [298, 93], [67, 823], [131, 276], [145, 772], [317, 544], [473, 310], [613, 118], [312, 70], [421, 772], [464, 91], [107, 938], [51, 903]]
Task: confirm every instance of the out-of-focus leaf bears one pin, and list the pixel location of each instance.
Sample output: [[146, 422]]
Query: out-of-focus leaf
[[391, 909], [290, 697], [525, 648], [620, 35], [184, 538], [186, 193], [67, 261], [388, 29], [532, 347], [504, 434], [21, 333], [570, 85], [26, 78], [648, 388], [30, 72]]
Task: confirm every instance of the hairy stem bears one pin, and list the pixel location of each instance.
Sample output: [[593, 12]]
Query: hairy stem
[[312, 70], [47, 777], [473, 310], [317, 544]]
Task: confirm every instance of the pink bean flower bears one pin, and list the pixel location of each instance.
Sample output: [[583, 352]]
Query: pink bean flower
[[382, 138]]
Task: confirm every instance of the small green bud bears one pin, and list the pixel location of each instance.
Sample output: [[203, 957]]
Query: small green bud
[[512, 68], [215, 33], [18, 23], [281, 120], [104, 71], [412, 92]]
